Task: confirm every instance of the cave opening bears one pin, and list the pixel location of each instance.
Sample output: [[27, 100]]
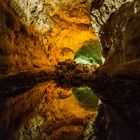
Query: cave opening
[[90, 53]]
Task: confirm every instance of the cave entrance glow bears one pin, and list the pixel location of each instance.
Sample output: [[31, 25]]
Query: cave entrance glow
[[89, 53]]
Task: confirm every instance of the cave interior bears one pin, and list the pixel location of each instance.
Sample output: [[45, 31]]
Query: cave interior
[[69, 70]]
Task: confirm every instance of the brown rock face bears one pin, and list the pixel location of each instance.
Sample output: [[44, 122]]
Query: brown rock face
[[117, 24]]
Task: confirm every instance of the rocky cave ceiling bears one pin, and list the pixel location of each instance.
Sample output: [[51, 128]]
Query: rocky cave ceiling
[[39, 40]]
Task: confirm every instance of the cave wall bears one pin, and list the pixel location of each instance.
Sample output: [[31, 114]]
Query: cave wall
[[21, 47], [117, 24], [119, 35]]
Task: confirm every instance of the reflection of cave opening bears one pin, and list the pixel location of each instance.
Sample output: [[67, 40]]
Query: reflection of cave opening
[[86, 97]]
